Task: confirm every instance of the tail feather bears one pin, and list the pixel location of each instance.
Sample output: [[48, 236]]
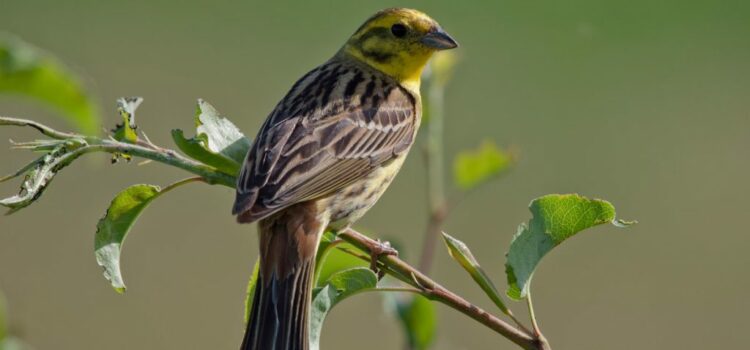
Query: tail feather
[[279, 318], [279, 315]]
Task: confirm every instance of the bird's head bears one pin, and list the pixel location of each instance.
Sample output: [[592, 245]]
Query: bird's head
[[398, 42]]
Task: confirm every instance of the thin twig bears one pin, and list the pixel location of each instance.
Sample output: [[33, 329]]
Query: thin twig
[[431, 289], [45, 130], [396, 289], [435, 178], [166, 156], [434, 226]]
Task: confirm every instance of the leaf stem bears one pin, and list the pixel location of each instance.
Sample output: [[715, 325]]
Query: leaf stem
[[180, 183], [534, 324]]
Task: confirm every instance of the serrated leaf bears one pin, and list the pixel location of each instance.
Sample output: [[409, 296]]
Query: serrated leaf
[[126, 107], [222, 136], [217, 143], [340, 286], [29, 71], [40, 173], [555, 218], [472, 168], [113, 228], [418, 319], [461, 253], [251, 284]]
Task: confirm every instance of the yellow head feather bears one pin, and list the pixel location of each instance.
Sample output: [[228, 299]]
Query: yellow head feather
[[398, 42]]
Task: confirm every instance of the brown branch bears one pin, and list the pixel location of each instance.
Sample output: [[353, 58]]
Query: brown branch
[[434, 291], [437, 217]]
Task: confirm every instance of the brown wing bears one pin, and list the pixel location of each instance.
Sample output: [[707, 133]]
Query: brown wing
[[368, 121]]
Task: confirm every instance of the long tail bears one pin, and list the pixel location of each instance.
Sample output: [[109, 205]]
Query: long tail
[[279, 319]]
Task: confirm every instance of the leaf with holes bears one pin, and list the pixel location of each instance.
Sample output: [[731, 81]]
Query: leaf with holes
[[39, 173], [113, 228], [126, 107], [218, 142]]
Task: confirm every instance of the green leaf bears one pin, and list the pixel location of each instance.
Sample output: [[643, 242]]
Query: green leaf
[[116, 223], [340, 286], [555, 218], [322, 302], [473, 168], [126, 107], [336, 261], [461, 253], [251, 290], [27, 70], [326, 243], [40, 173], [329, 261], [218, 142], [418, 318], [195, 148], [348, 282], [325, 247], [221, 135]]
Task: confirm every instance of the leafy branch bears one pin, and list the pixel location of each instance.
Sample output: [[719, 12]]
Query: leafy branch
[[430, 289], [128, 204], [63, 148], [214, 156]]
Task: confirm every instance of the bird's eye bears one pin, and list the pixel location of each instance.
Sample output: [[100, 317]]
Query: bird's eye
[[399, 30]]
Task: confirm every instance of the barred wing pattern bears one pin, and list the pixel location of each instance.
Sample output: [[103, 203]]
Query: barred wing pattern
[[337, 124]]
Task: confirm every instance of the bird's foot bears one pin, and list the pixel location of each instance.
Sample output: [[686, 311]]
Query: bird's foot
[[377, 250]]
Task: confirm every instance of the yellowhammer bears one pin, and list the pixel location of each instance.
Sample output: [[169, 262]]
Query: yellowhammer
[[324, 156]]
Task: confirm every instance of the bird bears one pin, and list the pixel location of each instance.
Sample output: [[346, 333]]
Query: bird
[[324, 156]]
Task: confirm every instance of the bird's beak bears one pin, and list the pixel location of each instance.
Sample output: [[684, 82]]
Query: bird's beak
[[438, 39]]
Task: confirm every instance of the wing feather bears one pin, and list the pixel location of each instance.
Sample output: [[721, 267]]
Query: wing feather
[[305, 156]]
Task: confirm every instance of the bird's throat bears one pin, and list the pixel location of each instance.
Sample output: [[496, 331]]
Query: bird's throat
[[406, 69]]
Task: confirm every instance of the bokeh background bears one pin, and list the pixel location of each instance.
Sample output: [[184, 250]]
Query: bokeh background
[[644, 103]]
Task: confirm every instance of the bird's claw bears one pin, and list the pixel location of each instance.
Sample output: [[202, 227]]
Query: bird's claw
[[378, 250]]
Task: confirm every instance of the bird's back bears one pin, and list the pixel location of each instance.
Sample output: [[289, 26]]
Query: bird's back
[[337, 125]]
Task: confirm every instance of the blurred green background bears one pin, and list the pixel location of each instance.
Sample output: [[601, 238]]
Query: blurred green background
[[644, 103]]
